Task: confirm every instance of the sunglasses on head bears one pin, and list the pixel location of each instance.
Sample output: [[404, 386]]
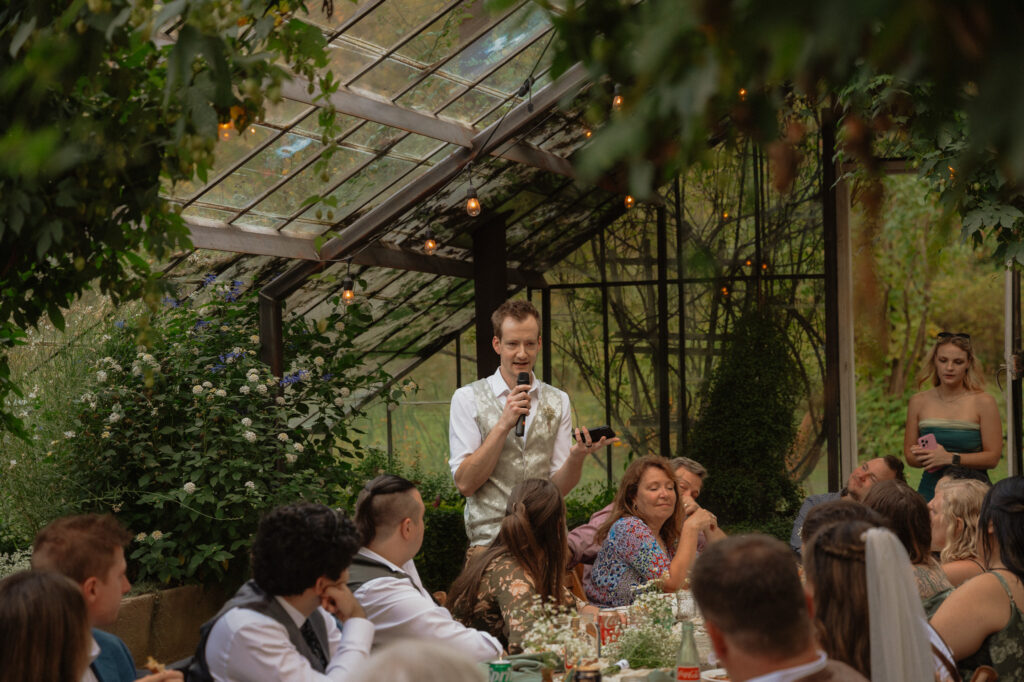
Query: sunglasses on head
[[952, 335]]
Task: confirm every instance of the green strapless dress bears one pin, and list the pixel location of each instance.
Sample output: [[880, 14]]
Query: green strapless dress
[[954, 435]]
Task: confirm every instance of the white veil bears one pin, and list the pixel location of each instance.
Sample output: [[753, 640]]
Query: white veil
[[900, 648]]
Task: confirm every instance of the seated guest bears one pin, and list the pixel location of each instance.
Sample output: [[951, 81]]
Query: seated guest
[[908, 517], [690, 477], [279, 625], [954, 515], [44, 628], [383, 577], [861, 479], [89, 549], [526, 559], [756, 613], [647, 535], [417, 660], [835, 511], [981, 620], [866, 612]]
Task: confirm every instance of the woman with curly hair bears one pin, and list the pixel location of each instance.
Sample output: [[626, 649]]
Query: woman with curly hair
[[954, 515], [647, 536], [527, 559]]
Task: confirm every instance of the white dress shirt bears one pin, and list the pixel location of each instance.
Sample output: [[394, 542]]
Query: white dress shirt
[[796, 673], [246, 646], [403, 610], [464, 435], [94, 652]]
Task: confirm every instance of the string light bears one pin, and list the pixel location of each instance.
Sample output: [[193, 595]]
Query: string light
[[952, 173], [587, 132], [429, 243], [472, 202], [725, 215], [348, 294], [725, 291], [743, 94], [617, 98], [764, 266], [629, 201], [748, 262], [224, 130]]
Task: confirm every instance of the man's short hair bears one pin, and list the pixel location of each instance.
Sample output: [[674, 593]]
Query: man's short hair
[[749, 588], [693, 466], [896, 464], [297, 543], [383, 503], [80, 547], [517, 309]]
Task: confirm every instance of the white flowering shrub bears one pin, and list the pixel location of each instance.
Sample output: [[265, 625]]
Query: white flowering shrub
[[168, 438]]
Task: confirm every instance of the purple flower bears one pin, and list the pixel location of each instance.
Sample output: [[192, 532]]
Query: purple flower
[[209, 279], [202, 323], [171, 302], [119, 324]]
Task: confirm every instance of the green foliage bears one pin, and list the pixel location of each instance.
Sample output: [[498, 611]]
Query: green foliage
[[746, 425], [584, 500], [190, 439], [97, 114], [944, 81]]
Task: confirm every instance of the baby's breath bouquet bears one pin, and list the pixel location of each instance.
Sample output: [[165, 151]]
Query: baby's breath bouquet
[[555, 629], [650, 640]]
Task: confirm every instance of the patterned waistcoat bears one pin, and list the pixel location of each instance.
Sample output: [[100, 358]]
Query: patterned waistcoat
[[520, 458]]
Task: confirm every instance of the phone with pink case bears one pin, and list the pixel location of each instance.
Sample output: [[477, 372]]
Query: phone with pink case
[[927, 441]]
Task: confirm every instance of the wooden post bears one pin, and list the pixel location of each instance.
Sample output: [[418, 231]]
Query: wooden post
[[490, 283]]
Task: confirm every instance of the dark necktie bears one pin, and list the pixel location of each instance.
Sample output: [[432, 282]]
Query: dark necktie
[[313, 642]]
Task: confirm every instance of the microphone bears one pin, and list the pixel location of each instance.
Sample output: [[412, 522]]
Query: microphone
[[523, 378]]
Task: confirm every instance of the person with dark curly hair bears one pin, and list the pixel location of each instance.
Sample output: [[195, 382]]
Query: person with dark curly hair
[[281, 625]]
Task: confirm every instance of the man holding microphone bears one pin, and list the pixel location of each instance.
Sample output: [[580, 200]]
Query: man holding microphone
[[510, 426]]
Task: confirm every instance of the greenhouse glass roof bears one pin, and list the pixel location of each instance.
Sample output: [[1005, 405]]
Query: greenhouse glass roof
[[431, 101]]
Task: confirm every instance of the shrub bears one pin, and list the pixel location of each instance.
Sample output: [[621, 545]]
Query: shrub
[[189, 439], [746, 425]]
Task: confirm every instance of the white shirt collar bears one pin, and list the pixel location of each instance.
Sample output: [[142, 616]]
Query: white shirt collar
[[791, 674], [499, 386], [370, 554], [94, 651], [292, 612]]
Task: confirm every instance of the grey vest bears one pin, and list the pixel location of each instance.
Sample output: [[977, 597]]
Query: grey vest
[[250, 596], [364, 569], [520, 458]]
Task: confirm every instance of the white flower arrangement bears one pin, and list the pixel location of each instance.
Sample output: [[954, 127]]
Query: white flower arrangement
[[291, 457], [283, 437], [243, 389], [261, 389], [246, 422], [221, 393], [156, 535], [197, 389], [318, 361], [298, 447], [207, 384], [249, 436], [101, 376], [189, 487]]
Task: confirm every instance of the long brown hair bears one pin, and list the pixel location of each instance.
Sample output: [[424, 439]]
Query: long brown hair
[[625, 499], [834, 566], [44, 628], [908, 517], [533, 533]]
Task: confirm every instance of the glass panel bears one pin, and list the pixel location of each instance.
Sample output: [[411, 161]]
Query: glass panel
[[498, 43], [358, 189], [375, 136], [284, 112], [471, 106], [430, 94], [442, 153], [394, 19], [417, 146], [197, 211], [490, 118], [262, 172], [343, 11], [446, 34], [287, 199], [387, 79], [511, 75], [302, 228], [345, 60], [226, 153], [264, 223], [311, 124]]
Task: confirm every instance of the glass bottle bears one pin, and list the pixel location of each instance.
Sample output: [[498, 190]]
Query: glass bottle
[[687, 660]]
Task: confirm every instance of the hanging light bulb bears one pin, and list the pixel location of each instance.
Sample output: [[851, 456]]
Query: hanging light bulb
[[348, 294], [743, 94], [587, 132], [617, 98], [725, 215], [224, 130], [764, 266], [748, 262], [472, 202], [629, 201], [429, 243], [725, 291]]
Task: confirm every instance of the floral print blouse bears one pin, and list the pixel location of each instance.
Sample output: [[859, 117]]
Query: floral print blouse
[[629, 557], [503, 603]]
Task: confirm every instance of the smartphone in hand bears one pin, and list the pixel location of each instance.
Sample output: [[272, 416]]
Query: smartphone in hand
[[599, 432], [927, 441]]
